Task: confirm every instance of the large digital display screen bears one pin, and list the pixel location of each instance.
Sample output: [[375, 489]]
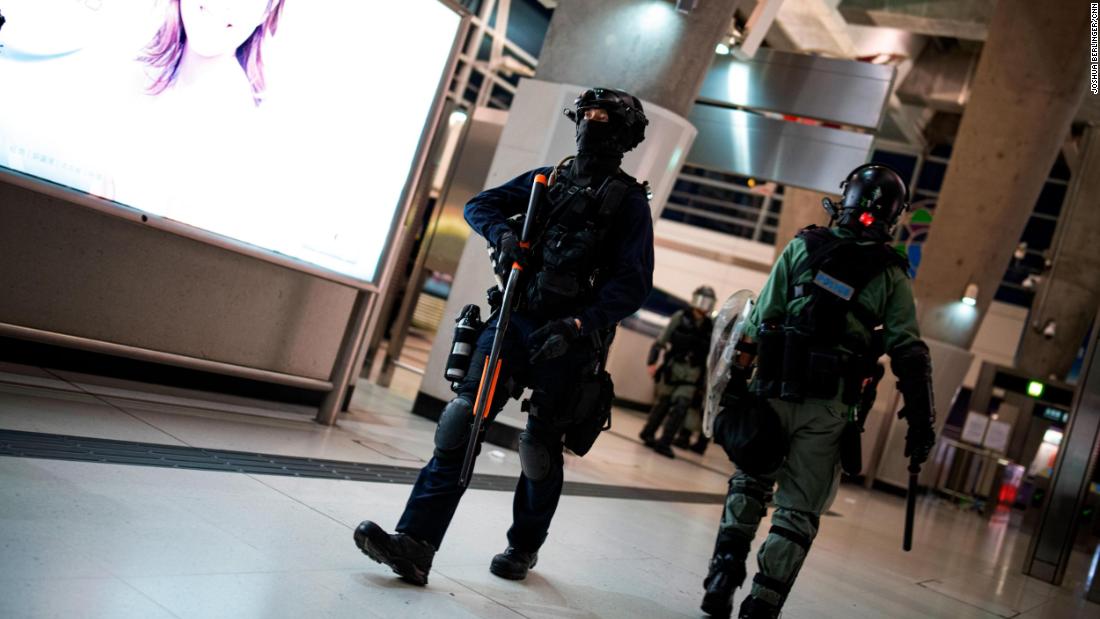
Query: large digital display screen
[[290, 125]]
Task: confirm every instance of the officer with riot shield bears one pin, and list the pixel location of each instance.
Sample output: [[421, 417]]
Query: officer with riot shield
[[587, 264], [680, 377], [836, 298]]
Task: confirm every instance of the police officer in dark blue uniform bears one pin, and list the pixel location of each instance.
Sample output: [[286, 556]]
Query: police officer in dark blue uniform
[[590, 265]]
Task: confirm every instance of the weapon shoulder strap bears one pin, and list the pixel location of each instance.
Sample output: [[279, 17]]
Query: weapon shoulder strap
[[579, 206], [612, 194]]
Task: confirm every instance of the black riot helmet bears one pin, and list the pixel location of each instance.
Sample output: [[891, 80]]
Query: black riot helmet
[[625, 116], [874, 198], [704, 299]]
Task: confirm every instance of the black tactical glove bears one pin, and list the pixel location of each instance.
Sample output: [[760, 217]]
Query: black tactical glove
[[654, 354], [509, 252], [919, 439], [552, 340], [913, 367], [738, 385]]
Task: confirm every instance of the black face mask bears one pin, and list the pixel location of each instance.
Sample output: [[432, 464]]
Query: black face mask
[[596, 138], [597, 153]]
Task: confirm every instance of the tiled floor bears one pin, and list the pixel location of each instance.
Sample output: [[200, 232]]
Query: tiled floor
[[102, 540]]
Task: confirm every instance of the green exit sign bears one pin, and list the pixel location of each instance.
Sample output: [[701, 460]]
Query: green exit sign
[[1035, 389], [1053, 414]]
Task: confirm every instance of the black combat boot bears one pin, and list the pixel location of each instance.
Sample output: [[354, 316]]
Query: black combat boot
[[700, 446], [664, 449], [513, 564], [727, 573], [682, 440], [648, 438], [408, 558], [753, 608]]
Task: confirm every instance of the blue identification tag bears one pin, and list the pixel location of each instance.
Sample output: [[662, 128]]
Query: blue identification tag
[[835, 286]]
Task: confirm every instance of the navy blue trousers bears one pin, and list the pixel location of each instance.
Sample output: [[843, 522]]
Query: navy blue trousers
[[436, 493]]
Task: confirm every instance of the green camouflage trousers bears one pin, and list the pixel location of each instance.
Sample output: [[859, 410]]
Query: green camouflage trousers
[[674, 396], [807, 484]]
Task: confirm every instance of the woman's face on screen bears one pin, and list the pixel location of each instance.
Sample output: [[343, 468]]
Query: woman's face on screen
[[218, 27]]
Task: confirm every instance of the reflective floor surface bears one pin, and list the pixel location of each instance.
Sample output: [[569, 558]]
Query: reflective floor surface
[[80, 539]]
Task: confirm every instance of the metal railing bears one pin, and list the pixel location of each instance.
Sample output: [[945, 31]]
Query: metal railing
[[490, 80], [725, 202], [968, 474]]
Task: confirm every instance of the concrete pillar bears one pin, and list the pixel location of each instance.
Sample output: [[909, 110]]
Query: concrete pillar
[[1027, 87], [801, 207], [1054, 537], [644, 47], [1070, 293]]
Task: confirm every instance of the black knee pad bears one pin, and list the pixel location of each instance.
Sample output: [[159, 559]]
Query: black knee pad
[[534, 457], [733, 543], [453, 431]]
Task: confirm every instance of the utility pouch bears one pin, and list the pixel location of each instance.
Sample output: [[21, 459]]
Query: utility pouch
[[822, 375], [495, 298], [591, 412], [854, 377], [561, 281], [851, 448], [552, 286], [769, 361], [792, 386], [863, 383]]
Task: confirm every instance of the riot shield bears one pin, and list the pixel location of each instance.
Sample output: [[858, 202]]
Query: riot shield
[[728, 327]]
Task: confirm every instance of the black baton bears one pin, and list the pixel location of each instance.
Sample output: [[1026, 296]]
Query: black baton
[[910, 506]]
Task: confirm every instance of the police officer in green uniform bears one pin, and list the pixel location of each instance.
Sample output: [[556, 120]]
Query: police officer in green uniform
[[835, 298], [693, 426], [681, 376]]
